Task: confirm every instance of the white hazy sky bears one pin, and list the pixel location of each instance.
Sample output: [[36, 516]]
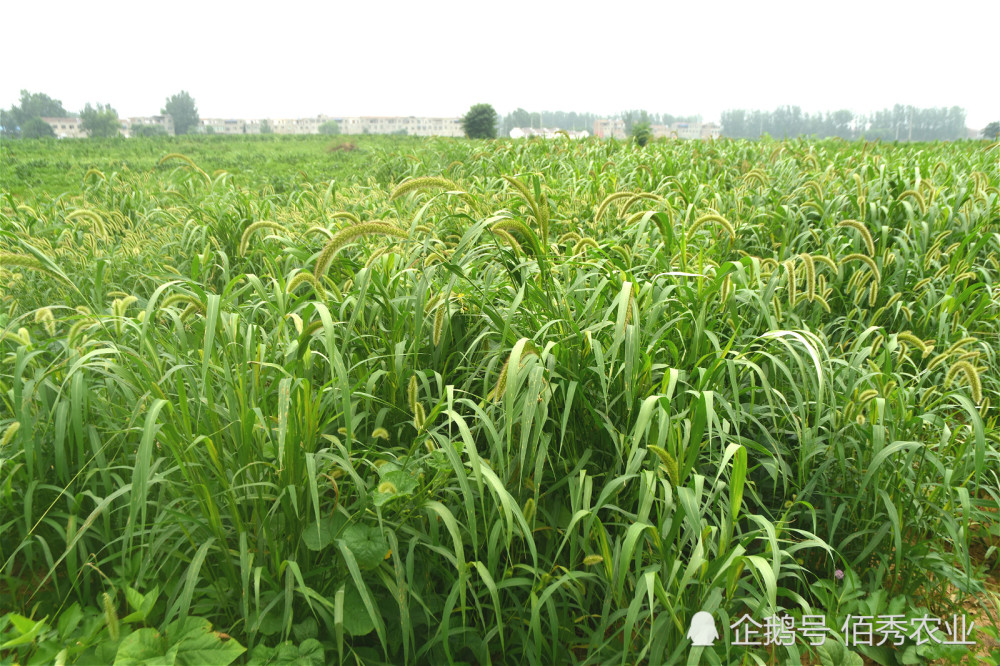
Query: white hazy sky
[[424, 57]]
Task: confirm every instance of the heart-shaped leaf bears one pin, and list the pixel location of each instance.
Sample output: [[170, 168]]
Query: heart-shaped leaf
[[318, 537], [367, 544], [394, 485], [357, 621]]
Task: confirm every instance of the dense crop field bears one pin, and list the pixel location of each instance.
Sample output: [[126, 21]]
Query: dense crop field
[[281, 163], [509, 402]]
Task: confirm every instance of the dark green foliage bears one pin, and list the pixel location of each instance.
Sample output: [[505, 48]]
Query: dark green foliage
[[642, 133], [480, 122], [148, 130], [991, 131], [87, 635], [100, 122], [36, 128], [330, 127], [32, 106]]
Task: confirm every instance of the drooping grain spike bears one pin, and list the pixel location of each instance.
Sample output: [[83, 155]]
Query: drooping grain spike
[[439, 324], [868, 261], [424, 183], [608, 200], [256, 226], [971, 377], [349, 234], [411, 393], [584, 243], [717, 219], [807, 260], [866, 235]]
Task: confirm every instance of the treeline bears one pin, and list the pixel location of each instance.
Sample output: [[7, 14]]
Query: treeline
[[900, 123], [571, 120], [25, 120]]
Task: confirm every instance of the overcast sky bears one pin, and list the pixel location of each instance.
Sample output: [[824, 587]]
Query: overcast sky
[[422, 57]]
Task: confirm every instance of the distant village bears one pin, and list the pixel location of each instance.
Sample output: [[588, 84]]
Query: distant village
[[70, 128]]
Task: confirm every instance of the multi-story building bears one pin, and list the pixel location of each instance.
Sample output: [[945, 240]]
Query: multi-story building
[[253, 126], [261, 126], [66, 128], [166, 122], [697, 130], [297, 125], [710, 131], [222, 126], [687, 130], [411, 125], [606, 128]]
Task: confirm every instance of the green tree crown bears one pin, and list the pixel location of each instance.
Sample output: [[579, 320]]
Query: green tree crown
[[148, 130], [480, 122], [181, 108], [100, 121], [36, 128], [14, 121], [642, 133]]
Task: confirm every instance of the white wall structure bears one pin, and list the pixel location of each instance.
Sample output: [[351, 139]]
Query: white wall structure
[[166, 122], [607, 128], [66, 128]]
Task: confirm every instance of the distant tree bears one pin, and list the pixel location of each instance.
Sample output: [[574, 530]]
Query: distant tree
[[734, 124], [33, 105], [329, 127], [99, 122], [840, 124], [148, 130], [480, 122], [36, 128], [992, 130], [265, 127], [628, 117], [642, 132], [182, 109]]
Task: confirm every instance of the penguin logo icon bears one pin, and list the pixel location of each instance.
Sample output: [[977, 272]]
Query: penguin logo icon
[[703, 632]]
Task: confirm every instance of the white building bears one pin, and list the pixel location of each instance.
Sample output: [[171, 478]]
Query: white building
[[66, 128], [410, 125], [222, 126], [711, 131], [696, 130], [166, 122], [605, 128], [687, 130], [297, 125]]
